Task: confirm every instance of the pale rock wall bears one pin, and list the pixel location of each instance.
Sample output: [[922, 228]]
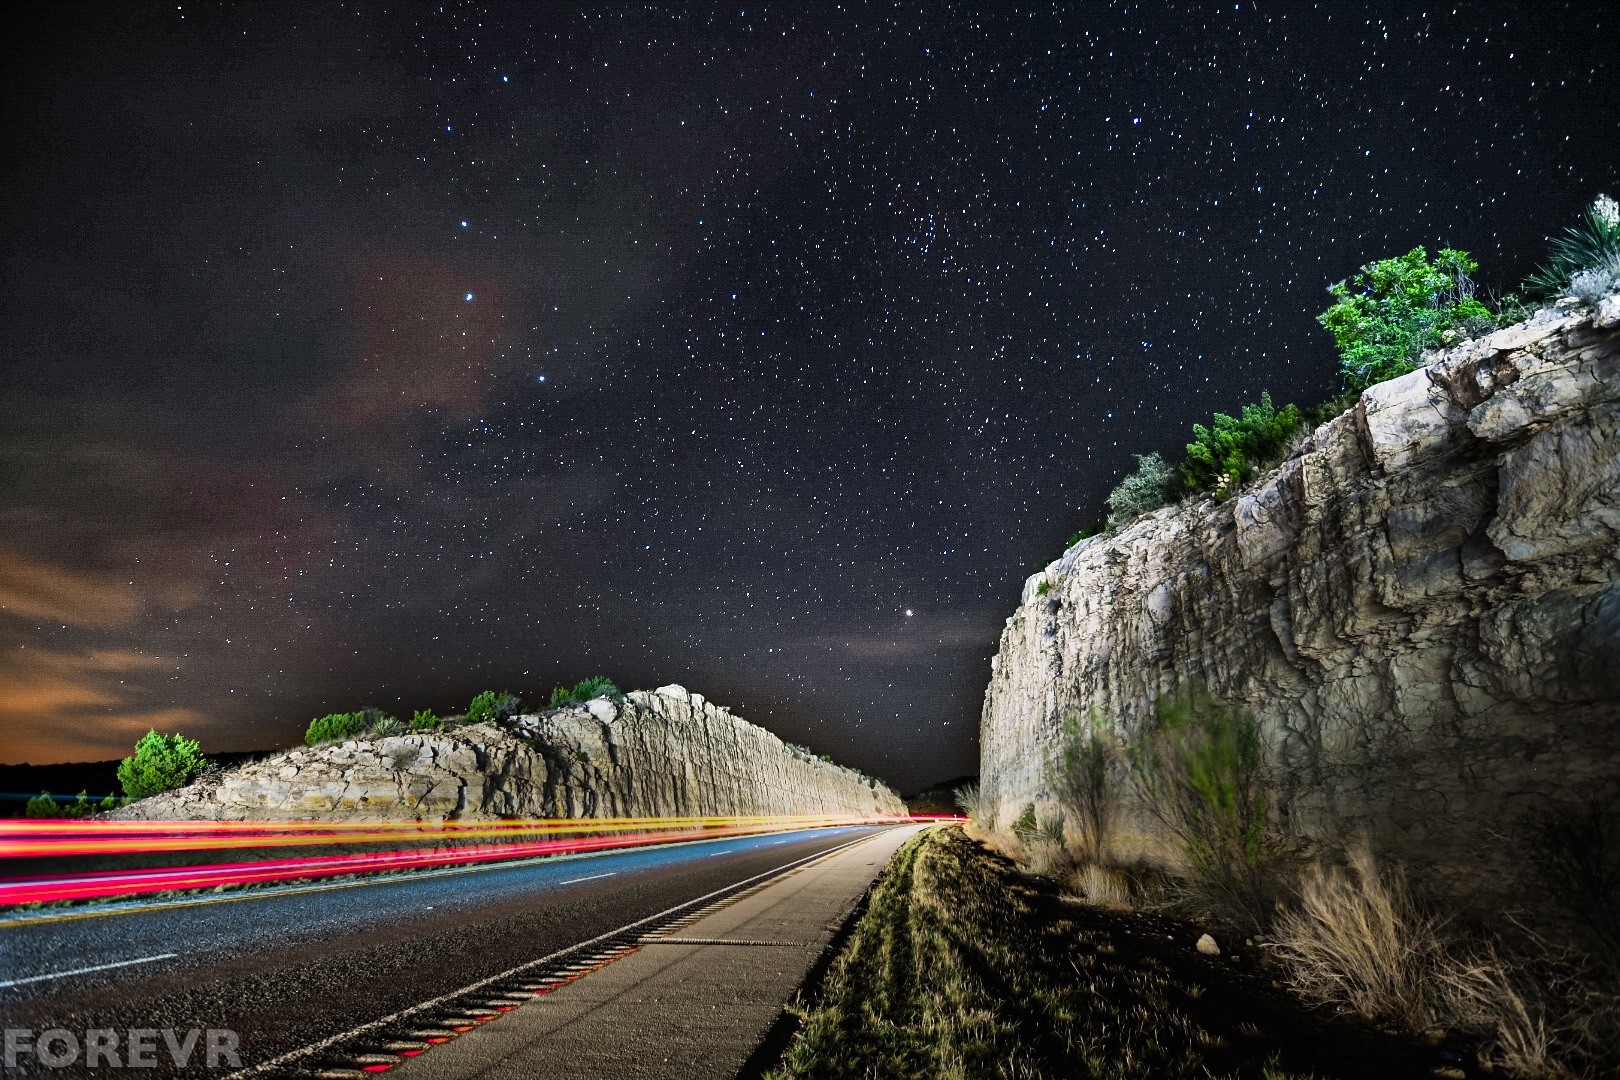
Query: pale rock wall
[[659, 754], [1421, 606]]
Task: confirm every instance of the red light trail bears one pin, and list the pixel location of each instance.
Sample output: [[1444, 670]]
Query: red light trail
[[500, 841]]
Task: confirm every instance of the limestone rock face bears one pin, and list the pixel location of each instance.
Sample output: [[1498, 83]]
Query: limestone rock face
[[1421, 606], [659, 754]]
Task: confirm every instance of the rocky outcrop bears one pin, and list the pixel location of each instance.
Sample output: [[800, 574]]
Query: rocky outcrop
[[659, 754], [1421, 607]]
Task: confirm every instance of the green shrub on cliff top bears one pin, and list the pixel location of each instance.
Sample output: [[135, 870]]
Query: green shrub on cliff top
[[1383, 318], [334, 726], [1221, 457], [1143, 491], [586, 689], [160, 763], [1585, 261], [492, 706]]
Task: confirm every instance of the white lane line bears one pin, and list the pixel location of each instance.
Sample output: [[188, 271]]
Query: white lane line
[[86, 970], [316, 1047], [593, 877]]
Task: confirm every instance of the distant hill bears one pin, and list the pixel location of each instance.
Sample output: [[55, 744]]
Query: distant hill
[[938, 798]]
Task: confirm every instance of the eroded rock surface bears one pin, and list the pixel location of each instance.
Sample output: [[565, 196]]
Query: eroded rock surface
[[1421, 606], [664, 753]]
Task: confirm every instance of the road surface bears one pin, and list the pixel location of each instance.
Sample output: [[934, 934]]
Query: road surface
[[284, 969]]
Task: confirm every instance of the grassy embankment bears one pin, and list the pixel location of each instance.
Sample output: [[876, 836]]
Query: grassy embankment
[[961, 966]]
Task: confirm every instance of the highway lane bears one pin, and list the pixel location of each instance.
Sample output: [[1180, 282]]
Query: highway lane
[[285, 968]]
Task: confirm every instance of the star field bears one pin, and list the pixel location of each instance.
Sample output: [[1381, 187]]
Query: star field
[[365, 354]]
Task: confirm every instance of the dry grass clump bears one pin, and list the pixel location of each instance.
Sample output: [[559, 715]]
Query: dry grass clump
[[1102, 887], [1359, 938]]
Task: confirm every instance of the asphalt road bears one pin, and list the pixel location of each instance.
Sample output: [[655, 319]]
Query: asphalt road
[[287, 968]]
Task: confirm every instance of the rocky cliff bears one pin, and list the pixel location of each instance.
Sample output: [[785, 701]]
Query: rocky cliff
[[658, 754], [1421, 607]]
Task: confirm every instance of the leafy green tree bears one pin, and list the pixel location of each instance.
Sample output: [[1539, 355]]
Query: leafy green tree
[[334, 726], [160, 763], [1221, 457], [1383, 318]]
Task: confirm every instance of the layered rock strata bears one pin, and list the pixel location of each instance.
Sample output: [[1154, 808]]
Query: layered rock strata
[[659, 754], [1421, 607]]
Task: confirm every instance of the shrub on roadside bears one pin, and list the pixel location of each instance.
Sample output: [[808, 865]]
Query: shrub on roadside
[[1358, 938], [1024, 825], [1197, 771], [968, 801], [160, 763], [1102, 887], [1576, 849], [1083, 786], [44, 805]]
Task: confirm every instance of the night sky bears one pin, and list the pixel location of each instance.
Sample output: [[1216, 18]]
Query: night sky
[[381, 354]]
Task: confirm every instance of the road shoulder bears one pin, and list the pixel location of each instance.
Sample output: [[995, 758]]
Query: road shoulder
[[693, 1001]]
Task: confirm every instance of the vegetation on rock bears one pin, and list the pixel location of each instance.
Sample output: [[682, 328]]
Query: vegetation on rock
[[160, 763], [1382, 320], [585, 690], [1384, 317], [334, 727], [1585, 261], [489, 706], [1143, 491], [1221, 457]]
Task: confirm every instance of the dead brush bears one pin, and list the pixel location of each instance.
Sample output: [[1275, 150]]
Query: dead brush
[[1358, 938], [1101, 887]]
